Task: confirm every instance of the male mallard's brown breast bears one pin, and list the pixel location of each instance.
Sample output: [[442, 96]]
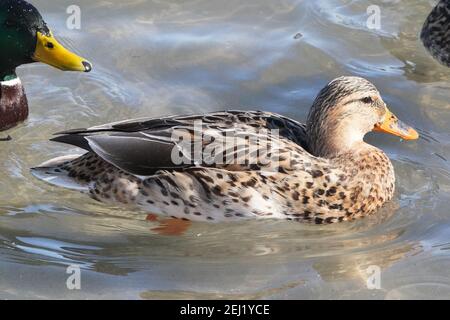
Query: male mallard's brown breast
[[13, 104]]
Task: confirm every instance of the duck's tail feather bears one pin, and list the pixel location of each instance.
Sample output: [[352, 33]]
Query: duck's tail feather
[[55, 172]]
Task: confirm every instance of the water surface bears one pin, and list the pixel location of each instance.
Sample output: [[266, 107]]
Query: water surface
[[153, 58]]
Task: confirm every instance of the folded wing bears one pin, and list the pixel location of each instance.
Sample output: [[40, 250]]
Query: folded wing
[[235, 140]]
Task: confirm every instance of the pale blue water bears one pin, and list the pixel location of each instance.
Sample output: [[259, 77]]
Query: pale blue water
[[154, 58]]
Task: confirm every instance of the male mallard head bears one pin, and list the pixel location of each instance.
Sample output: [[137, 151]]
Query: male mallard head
[[344, 111], [435, 32], [25, 38]]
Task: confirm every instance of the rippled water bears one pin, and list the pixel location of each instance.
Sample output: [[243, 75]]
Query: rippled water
[[161, 57]]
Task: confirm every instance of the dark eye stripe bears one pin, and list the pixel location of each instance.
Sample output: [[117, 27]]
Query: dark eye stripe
[[351, 101], [367, 100]]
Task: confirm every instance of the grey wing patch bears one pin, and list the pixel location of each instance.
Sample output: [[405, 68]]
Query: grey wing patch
[[136, 154]]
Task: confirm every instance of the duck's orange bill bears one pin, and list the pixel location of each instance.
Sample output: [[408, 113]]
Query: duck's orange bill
[[392, 125]]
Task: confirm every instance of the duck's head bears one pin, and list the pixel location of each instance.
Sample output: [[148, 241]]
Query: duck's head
[[344, 111], [25, 38]]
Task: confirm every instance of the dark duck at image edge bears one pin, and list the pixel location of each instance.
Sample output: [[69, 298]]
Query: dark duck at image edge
[[25, 38], [435, 34], [323, 171]]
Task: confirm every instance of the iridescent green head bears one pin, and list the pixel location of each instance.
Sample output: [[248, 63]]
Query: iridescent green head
[[25, 38]]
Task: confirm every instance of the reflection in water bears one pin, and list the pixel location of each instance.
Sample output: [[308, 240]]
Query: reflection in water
[[189, 295], [166, 57]]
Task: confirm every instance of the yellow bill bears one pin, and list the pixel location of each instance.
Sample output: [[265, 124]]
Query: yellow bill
[[392, 125], [51, 52]]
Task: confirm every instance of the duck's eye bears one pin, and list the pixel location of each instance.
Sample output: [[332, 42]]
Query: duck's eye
[[367, 100]]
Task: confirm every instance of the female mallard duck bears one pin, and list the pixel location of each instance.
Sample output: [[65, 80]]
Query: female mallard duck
[[436, 32], [25, 38], [242, 164]]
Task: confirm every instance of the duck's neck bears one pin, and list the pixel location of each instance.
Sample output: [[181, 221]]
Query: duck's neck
[[13, 102], [336, 138], [363, 164]]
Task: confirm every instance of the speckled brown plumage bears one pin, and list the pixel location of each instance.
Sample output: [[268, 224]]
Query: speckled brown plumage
[[323, 173]]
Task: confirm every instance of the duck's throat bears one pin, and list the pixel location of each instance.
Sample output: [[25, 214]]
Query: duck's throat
[[332, 146], [13, 103]]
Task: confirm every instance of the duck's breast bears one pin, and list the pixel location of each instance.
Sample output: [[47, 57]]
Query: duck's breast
[[13, 104]]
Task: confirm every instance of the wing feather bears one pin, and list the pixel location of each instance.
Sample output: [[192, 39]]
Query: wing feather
[[144, 146]]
